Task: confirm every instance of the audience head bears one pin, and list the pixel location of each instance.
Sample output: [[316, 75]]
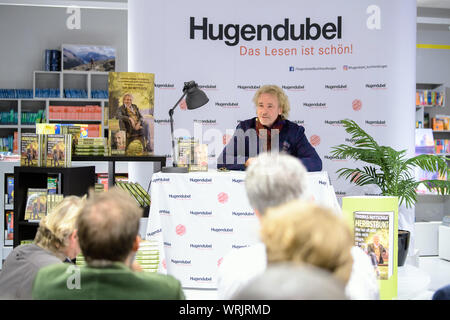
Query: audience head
[[57, 230], [304, 233], [276, 91], [289, 281], [273, 179], [108, 226]]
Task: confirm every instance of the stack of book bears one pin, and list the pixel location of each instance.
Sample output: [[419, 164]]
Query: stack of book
[[58, 150], [16, 93], [80, 262], [47, 93], [9, 230], [192, 154], [102, 178], [88, 112], [99, 187], [9, 196], [99, 94], [51, 150], [33, 117], [31, 150], [91, 147], [75, 94], [442, 146], [137, 192], [429, 98], [40, 203], [7, 143], [440, 122], [9, 117], [36, 205], [148, 256], [52, 201], [75, 129], [52, 60], [53, 186]]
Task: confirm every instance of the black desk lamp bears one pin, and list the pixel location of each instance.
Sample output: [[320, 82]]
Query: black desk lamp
[[195, 98]]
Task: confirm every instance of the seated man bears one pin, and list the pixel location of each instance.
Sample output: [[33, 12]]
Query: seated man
[[132, 121], [108, 229]]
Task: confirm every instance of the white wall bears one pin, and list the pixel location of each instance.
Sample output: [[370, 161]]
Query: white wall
[[26, 31]]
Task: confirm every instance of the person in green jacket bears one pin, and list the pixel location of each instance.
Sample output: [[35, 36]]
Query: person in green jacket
[[108, 227]]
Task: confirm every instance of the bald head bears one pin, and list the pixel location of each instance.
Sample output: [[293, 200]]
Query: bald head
[[108, 226]]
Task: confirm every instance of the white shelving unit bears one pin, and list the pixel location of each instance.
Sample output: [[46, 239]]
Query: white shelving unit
[[79, 80], [60, 80]]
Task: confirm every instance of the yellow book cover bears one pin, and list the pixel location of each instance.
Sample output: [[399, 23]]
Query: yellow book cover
[[36, 206], [56, 151], [374, 222], [131, 102], [47, 128], [29, 150]]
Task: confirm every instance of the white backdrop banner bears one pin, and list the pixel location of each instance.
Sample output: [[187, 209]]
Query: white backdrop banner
[[335, 59]]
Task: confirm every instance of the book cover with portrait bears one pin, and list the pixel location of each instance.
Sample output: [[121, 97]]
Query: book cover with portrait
[[131, 103], [374, 223], [36, 206], [374, 233], [30, 150]]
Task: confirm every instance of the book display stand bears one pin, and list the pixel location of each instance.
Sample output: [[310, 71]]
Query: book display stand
[[73, 181]]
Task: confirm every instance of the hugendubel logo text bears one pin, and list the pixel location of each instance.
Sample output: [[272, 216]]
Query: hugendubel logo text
[[232, 34]]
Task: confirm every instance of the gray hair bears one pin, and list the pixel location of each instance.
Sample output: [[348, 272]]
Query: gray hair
[[56, 227], [274, 179]]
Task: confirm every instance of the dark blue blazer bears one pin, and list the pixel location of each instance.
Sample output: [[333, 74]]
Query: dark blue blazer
[[292, 140]]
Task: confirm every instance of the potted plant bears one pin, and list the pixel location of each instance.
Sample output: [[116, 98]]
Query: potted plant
[[387, 168]]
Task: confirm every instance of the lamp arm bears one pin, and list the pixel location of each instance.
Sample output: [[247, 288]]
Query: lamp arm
[[175, 158]]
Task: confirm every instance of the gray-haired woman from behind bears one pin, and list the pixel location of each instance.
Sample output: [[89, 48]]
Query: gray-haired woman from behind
[[56, 241]]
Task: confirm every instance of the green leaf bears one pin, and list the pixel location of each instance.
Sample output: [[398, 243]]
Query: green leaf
[[389, 169]]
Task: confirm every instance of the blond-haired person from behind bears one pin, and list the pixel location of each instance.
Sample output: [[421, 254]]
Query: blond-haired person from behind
[[55, 242], [108, 232], [303, 234]]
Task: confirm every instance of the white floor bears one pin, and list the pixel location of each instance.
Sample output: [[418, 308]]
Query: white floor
[[414, 283], [438, 270]]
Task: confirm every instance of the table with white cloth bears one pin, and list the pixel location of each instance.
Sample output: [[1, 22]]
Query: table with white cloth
[[198, 217]]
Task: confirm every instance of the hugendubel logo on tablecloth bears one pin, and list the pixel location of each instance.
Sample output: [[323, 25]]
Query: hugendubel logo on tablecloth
[[180, 230], [222, 197]]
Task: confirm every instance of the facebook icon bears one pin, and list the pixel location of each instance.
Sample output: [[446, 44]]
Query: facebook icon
[[291, 69]]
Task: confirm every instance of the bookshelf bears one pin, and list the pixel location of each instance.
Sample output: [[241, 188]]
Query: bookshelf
[[425, 112], [74, 181], [54, 88], [432, 207]]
